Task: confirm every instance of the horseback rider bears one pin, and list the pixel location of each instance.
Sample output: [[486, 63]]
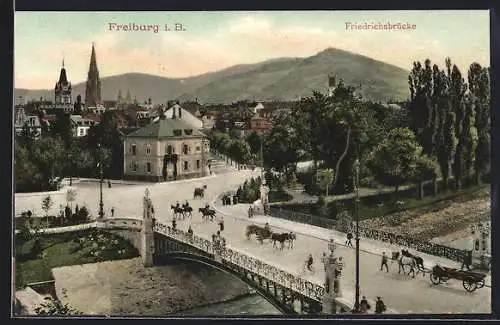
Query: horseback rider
[[174, 224], [207, 206], [379, 306], [310, 262], [177, 205]]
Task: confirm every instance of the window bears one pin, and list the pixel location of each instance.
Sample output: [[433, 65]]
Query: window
[[148, 149], [169, 150], [148, 167], [186, 165], [134, 166], [197, 164], [133, 149], [185, 149], [198, 148]]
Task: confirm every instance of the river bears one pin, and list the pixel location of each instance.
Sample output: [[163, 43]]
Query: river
[[251, 305]]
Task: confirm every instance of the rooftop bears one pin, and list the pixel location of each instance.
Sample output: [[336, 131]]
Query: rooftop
[[168, 128]]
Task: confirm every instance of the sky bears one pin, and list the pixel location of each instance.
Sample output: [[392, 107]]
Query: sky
[[210, 41]]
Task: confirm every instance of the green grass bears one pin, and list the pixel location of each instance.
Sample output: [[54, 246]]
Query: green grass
[[60, 250]]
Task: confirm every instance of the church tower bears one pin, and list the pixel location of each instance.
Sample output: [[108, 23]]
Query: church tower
[[63, 88], [93, 88]]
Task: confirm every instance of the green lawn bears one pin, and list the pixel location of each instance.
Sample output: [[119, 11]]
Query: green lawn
[[61, 250]]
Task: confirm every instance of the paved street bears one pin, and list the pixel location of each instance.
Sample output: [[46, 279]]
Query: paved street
[[401, 293]]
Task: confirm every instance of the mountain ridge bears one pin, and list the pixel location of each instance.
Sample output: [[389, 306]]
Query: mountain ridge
[[285, 78]]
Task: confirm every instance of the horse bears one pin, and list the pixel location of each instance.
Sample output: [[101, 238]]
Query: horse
[[187, 210], [403, 261], [418, 260], [282, 238], [261, 233], [206, 212], [178, 211], [199, 192]]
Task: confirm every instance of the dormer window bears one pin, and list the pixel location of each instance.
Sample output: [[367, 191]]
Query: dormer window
[[188, 131], [177, 132]]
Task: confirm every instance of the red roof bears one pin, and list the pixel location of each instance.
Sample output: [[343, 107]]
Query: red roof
[[93, 117]]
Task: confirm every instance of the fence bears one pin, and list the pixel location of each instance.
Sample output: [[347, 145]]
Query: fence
[[418, 245]]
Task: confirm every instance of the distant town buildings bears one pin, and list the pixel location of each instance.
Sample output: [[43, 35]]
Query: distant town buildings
[[177, 112], [167, 149], [31, 122]]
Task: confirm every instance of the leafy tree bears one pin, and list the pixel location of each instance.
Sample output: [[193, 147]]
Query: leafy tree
[[445, 133], [71, 196], [48, 154], [423, 116], [239, 151], [394, 161], [462, 123], [325, 179], [47, 204], [254, 141], [281, 147], [26, 172], [53, 307], [479, 86], [63, 128]]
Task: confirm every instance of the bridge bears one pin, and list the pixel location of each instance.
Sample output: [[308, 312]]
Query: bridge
[[284, 268]]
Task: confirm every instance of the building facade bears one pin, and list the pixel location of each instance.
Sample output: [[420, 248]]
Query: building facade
[[167, 149]]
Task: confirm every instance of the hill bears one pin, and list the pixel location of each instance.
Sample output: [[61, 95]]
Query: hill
[[275, 79]]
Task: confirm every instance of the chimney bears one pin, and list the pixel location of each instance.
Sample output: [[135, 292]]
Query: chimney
[[173, 112], [180, 112]]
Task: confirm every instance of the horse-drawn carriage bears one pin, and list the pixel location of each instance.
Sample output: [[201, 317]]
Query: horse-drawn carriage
[[199, 192], [470, 280]]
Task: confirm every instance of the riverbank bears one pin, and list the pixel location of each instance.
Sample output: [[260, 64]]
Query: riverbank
[[125, 287]]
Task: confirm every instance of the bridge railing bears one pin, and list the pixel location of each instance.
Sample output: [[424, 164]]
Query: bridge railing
[[396, 239], [288, 280]]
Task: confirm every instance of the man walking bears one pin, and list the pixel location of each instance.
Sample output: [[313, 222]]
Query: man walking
[[379, 306], [364, 305], [467, 260], [384, 262], [348, 241]]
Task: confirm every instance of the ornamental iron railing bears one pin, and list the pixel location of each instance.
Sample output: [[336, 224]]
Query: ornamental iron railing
[[450, 253], [303, 287]]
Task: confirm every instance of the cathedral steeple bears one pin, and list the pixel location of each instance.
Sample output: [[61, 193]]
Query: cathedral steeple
[[93, 87]]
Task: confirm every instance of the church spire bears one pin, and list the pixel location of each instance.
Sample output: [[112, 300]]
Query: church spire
[[93, 87]]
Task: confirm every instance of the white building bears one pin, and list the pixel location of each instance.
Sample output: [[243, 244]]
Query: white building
[[81, 125]]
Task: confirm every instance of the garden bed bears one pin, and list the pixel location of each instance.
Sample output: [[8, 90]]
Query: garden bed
[[64, 249]]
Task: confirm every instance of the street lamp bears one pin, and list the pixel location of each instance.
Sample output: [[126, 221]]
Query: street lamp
[[356, 207], [101, 175]]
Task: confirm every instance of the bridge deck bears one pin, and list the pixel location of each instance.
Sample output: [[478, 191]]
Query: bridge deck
[[399, 292]]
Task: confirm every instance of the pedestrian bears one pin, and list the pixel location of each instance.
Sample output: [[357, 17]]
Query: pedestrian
[[112, 212], [250, 212], [467, 260], [331, 246], [348, 241], [364, 306], [109, 183], [380, 306], [190, 231], [384, 262], [174, 224], [221, 224]]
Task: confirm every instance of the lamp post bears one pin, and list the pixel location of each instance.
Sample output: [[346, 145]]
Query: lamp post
[[356, 207], [101, 175]]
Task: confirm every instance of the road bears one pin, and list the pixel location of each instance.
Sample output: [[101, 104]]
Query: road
[[400, 292]]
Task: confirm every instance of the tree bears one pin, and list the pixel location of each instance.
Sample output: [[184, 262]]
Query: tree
[[394, 161], [426, 168], [254, 141], [462, 123], [423, 116], [281, 147], [445, 132], [49, 155], [53, 307], [70, 196], [26, 173], [479, 87], [46, 206], [325, 179]]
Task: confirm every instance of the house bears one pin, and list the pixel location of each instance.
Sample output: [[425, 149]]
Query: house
[[257, 108], [31, 121], [167, 149], [260, 124], [176, 111], [81, 125]]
